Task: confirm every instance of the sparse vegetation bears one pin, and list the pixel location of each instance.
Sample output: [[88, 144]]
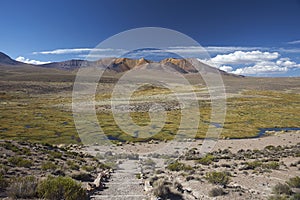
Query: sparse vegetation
[[18, 182]]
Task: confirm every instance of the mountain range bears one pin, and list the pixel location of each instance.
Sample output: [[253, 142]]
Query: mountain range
[[116, 65]]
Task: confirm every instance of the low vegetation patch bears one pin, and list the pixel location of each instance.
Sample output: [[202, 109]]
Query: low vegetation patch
[[285, 190], [56, 188], [20, 162], [294, 182], [217, 178], [23, 187], [178, 166], [206, 160], [49, 166]]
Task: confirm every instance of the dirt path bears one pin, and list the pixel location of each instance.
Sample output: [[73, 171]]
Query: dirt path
[[123, 184]]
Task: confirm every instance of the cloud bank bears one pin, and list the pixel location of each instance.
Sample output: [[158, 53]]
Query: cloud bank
[[252, 62], [29, 61]]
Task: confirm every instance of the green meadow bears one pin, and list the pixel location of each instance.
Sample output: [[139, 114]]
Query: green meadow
[[47, 118]]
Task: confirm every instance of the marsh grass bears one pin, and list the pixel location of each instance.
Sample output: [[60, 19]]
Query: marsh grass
[[37, 118]]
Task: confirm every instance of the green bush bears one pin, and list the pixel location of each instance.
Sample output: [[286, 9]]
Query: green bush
[[25, 187], [294, 182], [49, 166], [20, 162], [206, 160], [218, 178], [178, 166], [57, 188]]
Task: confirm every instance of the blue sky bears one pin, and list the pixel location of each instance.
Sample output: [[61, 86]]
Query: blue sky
[[252, 37]]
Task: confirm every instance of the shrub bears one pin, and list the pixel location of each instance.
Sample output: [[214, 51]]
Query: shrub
[[178, 166], [3, 182], [20, 162], [108, 165], [49, 166], [253, 165], [271, 165], [270, 147], [218, 178], [161, 188], [278, 197], [9, 146], [295, 196], [149, 162], [206, 160], [82, 177], [25, 151], [25, 187], [258, 164], [281, 188], [294, 182], [217, 191], [88, 168], [72, 165], [56, 188], [55, 154]]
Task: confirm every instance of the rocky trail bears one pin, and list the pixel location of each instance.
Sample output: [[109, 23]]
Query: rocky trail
[[123, 184]]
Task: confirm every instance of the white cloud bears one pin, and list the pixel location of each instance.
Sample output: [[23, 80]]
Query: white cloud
[[210, 49], [289, 50], [227, 49], [263, 67], [252, 62], [241, 57], [77, 51], [226, 68], [294, 42], [34, 62]]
